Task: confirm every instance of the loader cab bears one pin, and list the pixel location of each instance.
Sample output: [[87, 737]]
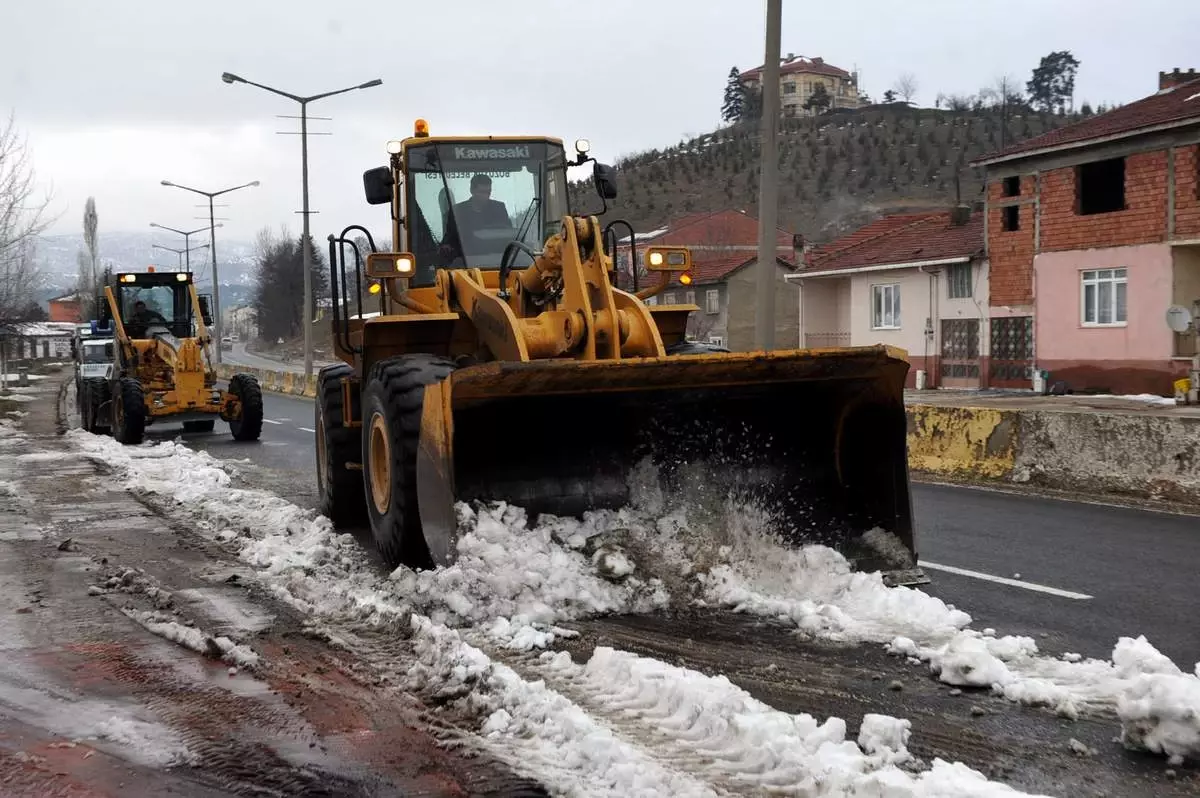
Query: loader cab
[[149, 302], [466, 200]]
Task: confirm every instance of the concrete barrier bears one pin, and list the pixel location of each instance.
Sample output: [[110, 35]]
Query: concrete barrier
[[1143, 455], [287, 382]]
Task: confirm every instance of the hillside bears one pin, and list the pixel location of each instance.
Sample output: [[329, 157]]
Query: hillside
[[837, 171]]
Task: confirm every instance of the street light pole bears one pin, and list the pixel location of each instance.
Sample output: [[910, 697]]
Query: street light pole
[[768, 184], [180, 253], [212, 233], [186, 234], [306, 243]]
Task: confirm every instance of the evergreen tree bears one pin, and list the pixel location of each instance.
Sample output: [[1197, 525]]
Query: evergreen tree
[[734, 106]]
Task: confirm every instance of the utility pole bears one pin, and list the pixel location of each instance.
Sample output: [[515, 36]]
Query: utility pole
[[768, 184], [180, 253], [212, 237], [306, 237]]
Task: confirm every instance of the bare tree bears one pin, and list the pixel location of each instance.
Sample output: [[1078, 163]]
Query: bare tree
[[23, 217], [906, 86]]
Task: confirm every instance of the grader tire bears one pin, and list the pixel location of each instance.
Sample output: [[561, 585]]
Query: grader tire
[[341, 489], [129, 412], [247, 427], [392, 404], [95, 390]]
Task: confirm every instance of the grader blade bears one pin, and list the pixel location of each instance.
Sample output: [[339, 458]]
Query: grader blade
[[814, 438]]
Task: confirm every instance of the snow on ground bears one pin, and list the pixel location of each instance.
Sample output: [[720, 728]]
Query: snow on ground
[[164, 625], [1147, 398], [515, 580]]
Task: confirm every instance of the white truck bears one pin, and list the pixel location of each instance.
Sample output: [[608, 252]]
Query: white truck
[[93, 351]]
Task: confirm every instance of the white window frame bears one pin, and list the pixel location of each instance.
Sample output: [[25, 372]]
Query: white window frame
[[712, 301], [956, 270], [889, 294], [1118, 280], [669, 298], [689, 298], [717, 340]]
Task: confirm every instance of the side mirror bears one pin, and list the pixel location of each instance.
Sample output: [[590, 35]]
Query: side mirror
[[605, 178], [205, 309], [378, 184]]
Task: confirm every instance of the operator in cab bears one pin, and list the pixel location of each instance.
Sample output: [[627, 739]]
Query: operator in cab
[[480, 212], [143, 316]]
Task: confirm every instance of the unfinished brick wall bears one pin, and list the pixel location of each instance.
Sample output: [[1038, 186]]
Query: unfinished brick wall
[[1187, 191], [1144, 220], [1010, 253]]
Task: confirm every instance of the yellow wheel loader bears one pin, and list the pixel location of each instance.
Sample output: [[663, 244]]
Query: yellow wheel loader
[[494, 357], [163, 370]]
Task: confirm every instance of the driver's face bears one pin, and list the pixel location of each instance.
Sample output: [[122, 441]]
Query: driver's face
[[481, 193]]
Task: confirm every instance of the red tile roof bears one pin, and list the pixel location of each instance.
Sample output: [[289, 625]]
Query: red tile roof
[[1176, 105], [901, 238], [815, 66], [727, 228]]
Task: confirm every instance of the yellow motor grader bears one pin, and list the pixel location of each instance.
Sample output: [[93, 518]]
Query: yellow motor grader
[[163, 370], [493, 357]]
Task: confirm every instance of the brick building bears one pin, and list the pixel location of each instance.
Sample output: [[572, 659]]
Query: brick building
[[66, 308], [1092, 233]]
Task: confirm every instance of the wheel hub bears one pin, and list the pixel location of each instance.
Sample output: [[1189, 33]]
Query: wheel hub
[[379, 451]]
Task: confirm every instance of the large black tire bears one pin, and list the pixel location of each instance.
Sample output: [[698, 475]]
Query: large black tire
[[95, 392], [129, 411], [391, 413], [202, 425], [693, 348], [341, 489], [248, 425]]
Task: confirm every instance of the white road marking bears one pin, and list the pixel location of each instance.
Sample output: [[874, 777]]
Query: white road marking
[[269, 421], [1004, 580], [305, 429], [285, 419]]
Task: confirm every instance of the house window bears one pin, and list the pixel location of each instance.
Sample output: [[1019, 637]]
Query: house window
[[712, 301], [789, 88], [689, 298], [1012, 186], [669, 298], [1010, 218], [653, 300], [717, 340], [885, 307], [1103, 297], [1100, 187], [959, 281]]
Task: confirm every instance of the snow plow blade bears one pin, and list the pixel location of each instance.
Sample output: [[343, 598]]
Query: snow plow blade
[[815, 438]]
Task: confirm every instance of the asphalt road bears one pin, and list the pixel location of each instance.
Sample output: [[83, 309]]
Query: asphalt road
[[240, 355], [1136, 568]]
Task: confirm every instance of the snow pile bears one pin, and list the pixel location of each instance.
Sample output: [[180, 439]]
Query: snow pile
[[709, 736], [1146, 398], [190, 637]]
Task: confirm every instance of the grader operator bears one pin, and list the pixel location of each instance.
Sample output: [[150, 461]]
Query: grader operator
[[500, 361]]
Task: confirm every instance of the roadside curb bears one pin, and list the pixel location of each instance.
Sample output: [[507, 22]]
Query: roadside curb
[[285, 382], [1154, 457]]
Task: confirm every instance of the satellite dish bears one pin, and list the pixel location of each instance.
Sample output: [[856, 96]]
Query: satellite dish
[[1179, 318]]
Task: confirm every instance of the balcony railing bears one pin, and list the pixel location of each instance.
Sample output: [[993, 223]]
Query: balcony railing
[[826, 340]]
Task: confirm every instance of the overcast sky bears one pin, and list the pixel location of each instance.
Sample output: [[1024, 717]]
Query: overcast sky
[[116, 95]]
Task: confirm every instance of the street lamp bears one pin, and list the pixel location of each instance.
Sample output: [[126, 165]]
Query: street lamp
[[306, 250], [212, 233], [180, 253], [186, 235]]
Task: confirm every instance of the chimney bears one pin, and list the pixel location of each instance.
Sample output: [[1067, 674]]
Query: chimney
[[1169, 80], [960, 215], [798, 250]]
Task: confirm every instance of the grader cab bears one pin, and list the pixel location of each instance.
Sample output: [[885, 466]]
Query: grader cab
[[493, 357], [163, 370]]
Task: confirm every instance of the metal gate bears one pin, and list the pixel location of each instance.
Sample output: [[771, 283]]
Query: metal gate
[[1012, 353], [960, 353]]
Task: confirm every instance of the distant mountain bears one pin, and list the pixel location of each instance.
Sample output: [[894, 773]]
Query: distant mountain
[[126, 251]]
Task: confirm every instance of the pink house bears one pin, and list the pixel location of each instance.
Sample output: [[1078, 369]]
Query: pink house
[[1093, 237]]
